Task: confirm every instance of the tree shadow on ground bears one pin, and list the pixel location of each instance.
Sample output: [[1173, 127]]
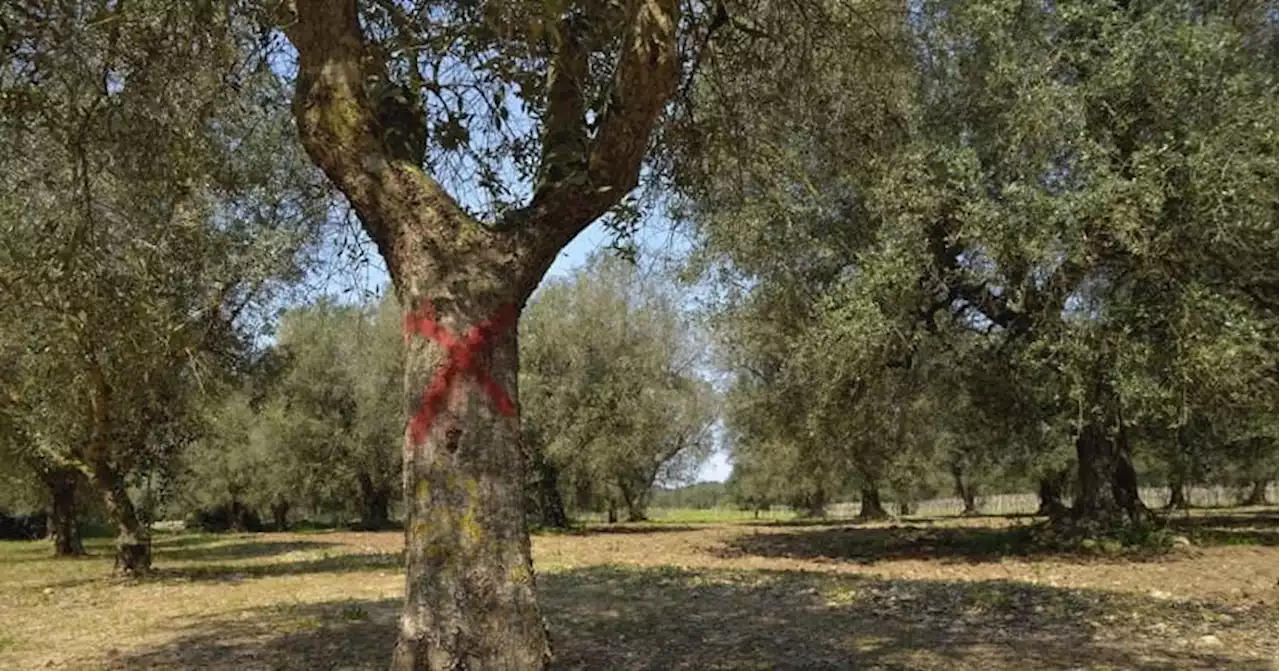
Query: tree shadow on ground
[[869, 545], [631, 528], [666, 618], [176, 541], [234, 573], [247, 548], [907, 520], [238, 573], [1242, 528]]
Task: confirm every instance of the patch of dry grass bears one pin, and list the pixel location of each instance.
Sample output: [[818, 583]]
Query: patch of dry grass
[[919, 595]]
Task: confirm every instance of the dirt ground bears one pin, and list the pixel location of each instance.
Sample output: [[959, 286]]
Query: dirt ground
[[915, 594]]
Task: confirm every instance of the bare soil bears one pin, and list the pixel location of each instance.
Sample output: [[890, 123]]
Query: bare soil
[[913, 594]]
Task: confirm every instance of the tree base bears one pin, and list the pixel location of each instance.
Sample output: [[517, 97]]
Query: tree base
[[873, 515], [68, 550], [133, 559]]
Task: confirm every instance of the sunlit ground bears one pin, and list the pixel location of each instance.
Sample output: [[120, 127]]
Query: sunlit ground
[[922, 593]]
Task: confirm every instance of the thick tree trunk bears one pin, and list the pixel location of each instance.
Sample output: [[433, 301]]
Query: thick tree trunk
[[1257, 494], [64, 519], [280, 515], [550, 502], [375, 504], [469, 602], [872, 508], [237, 517], [1050, 492], [635, 504], [470, 597], [815, 504], [1177, 494], [133, 539], [970, 498], [1108, 482], [965, 490], [636, 513]]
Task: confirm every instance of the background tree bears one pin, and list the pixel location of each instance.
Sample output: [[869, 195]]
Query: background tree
[[138, 230], [1011, 174], [339, 407], [613, 399]]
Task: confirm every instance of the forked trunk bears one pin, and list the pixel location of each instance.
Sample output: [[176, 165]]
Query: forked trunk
[[1108, 483], [635, 503], [64, 520], [469, 599], [1257, 494], [872, 508], [133, 539]]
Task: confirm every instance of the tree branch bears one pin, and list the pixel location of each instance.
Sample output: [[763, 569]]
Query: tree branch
[[647, 76], [340, 128]]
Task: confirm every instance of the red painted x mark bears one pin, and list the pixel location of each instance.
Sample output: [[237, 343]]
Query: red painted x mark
[[461, 357]]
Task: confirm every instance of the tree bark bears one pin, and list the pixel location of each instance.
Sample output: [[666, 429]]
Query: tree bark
[[375, 504], [1257, 494], [634, 502], [133, 539], [872, 508], [1051, 504], [280, 515], [1108, 482], [1177, 493], [237, 516], [469, 601], [470, 594], [970, 498], [550, 503], [64, 518], [965, 490], [815, 504]]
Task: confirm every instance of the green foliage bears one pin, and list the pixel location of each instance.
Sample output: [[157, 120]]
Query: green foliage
[[610, 386], [698, 496], [324, 432], [1010, 224], [154, 203]]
